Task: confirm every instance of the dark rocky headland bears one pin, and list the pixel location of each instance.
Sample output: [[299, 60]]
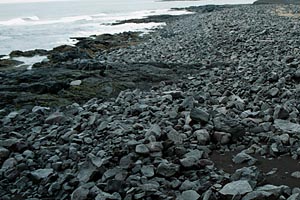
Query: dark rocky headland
[[204, 108]]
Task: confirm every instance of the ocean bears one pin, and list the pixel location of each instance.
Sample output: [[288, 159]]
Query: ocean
[[44, 24]]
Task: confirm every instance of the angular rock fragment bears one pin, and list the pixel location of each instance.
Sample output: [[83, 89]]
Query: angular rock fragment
[[191, 159], [4, 153], [41, 174], [142, 149], [234, 188], [243, 157], [203, 137], [199, 115], [81, 193], [174, 136], [190, 195], [286, 126], [167, 169], [55, 118]]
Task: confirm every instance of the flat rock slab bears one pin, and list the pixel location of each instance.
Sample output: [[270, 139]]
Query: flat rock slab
[[236, 188], [286, 126], [41, 173]]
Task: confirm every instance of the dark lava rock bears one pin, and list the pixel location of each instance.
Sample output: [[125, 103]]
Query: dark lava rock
[[4, 63], [277, 2], [41, 174], [81, 193], [115, 186], [287, 127], [199, 115], [55, 118], [167, 169], [236, 188], [229, 125], [4, 153], [142, 149], [31, 53], [190, 195]]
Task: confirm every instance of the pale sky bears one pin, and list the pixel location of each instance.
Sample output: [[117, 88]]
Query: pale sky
[[26, 1]]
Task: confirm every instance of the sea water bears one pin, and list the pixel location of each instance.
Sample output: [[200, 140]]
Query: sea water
[[44, 24]]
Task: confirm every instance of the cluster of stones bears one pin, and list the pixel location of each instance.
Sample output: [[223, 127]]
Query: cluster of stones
[[158, 144]]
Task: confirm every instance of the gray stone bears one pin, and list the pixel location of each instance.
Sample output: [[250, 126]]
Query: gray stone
[[147, 171], [190, 195], [249, 113], [76, 83], [155, 146], [199, 115], [296, 174], [81, 193], [192, 158], [203, 136], [229, 125], [275, 190], [96, 161], [251, 173], [167, 169], [284, 138], [12, 115], [104, 196], [88, 140], [187, 185], [39, 109], [140, 195], [280, 113], [243, 157], [4, 153], [175, 94], [55, 118], [273, 92], [286, 126], [28, 154], [115, 186], [103, 125], [257, 195], [222, 137], [189, 162], [207, 195], [174, 136], [8, 143], [154, 130], [86, 171], [188, 103], [150, 187], [142, 149], [297, 73], [126, 161], [234, 188], [41, 174], [110, 173], [295, 196], [9, 164]]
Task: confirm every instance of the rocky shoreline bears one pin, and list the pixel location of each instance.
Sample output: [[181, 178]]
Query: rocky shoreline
[[205, 108]]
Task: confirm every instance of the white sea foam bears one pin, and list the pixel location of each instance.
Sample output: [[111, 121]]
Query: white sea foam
[[29, 61], [20, 21], [143, 27], [31, 18], [100, 18], [30, 21]]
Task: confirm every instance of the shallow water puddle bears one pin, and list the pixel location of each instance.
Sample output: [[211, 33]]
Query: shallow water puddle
[[284, 166]]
